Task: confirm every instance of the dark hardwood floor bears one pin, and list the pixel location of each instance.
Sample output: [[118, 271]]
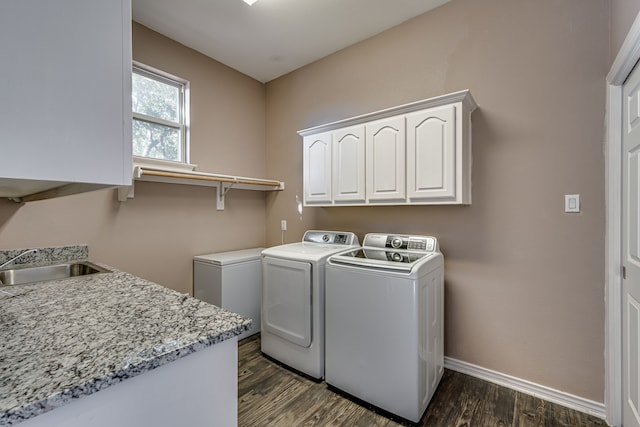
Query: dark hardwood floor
[[271, 395]]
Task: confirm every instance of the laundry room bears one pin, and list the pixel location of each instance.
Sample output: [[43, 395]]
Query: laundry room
[[525, 294]]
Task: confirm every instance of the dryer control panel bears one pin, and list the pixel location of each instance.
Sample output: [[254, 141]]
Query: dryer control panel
[[330, 237]]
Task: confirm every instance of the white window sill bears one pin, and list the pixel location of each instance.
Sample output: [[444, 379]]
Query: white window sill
[[167, 165]]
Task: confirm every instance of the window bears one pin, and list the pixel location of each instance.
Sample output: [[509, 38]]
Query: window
[[159, 104]]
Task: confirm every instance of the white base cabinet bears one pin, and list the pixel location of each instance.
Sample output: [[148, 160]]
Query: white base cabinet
[[200, 389], [418, 153], [65, 113]]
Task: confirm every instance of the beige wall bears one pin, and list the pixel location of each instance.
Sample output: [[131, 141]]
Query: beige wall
[[156, 234], [524, 280], [623, 13]]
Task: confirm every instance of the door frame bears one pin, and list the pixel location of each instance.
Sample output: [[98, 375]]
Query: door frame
[[622, 66]]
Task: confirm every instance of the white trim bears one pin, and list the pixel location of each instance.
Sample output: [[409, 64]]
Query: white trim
[[626, 59], [161, 73], [155, 120], [581, 404], [613, 258], [169, 165], [127, 123], [463, 96]]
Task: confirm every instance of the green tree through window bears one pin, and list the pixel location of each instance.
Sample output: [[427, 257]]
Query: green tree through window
[[158, 105]]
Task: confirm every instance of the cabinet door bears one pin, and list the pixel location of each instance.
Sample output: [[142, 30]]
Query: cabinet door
[[317, 168], [65, 113], [348, 164], [431, 154], [385, 156]]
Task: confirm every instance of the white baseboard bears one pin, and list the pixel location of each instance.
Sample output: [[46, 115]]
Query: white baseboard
[[581, 404]]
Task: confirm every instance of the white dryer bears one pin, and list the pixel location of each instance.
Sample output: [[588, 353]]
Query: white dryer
[[293, 299], [384, 322]]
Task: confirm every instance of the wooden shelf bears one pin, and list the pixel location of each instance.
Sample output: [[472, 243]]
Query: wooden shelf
[[222, 183]]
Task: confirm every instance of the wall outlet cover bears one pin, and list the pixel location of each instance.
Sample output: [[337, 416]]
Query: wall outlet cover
[[572, 203]]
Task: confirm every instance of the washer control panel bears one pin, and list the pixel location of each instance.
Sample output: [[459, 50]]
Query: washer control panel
[[402, 242]]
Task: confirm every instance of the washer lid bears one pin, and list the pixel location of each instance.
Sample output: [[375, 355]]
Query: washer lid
[[232, 257]]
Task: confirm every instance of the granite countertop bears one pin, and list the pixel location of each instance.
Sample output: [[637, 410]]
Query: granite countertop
[[63, 339]]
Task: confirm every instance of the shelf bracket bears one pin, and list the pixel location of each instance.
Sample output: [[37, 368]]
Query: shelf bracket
[[126, 192], [222, 188]]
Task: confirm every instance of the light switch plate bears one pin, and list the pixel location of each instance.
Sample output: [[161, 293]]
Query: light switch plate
[[572, 203]]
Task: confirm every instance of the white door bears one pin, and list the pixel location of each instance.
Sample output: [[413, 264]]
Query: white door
[[348, 164], [385, 156], [317, 168], [286, 300], [631, 251]]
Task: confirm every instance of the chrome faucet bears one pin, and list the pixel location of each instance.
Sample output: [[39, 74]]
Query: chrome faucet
[[19, 256]]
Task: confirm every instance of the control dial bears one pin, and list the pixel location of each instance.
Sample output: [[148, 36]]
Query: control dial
[[396, 242], [325, 238]]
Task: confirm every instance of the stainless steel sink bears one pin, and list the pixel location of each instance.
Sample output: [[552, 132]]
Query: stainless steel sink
[[18, 276]]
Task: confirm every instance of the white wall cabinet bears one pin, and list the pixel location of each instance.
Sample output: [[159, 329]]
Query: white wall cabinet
[[348, 164], [316, 160], [431, 155], [65, 113], [418, 153], [386, 160]]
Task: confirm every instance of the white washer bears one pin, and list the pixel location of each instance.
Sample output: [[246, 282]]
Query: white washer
[[384, 322], [293, 299]]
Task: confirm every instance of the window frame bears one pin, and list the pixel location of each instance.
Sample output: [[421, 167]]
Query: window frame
[[182, 125]]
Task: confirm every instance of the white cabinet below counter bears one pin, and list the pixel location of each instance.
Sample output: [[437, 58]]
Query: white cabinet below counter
[[197, 390], [418, 153], [66, 96]]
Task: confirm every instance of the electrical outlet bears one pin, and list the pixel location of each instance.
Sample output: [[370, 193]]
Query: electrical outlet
[[283, 225]]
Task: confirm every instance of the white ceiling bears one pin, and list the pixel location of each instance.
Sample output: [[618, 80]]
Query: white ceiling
[[273, 37]]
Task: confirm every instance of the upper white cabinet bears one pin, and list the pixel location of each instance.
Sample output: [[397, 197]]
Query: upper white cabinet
[[431, 155], [386, 160], [65, 87], [348, 164], [418, 153], [317, 168]]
